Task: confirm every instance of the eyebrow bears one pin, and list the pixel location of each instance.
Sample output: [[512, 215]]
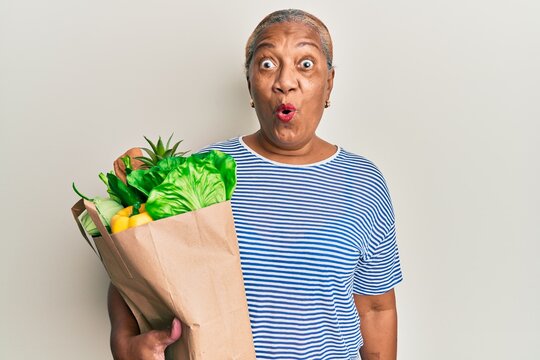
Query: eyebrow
[[310, 43], [264, 44]]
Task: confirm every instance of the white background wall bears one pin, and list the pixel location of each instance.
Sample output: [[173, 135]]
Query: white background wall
[[442, 95]]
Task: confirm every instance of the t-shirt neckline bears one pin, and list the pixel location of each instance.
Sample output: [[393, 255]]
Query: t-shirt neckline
[[324, 161]]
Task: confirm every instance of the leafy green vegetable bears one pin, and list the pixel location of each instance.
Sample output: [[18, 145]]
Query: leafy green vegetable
[[201, 180], [225, 165], [106, 209], [127, 163], [111, 193], [147, 179], [88, 224], [127, 194]]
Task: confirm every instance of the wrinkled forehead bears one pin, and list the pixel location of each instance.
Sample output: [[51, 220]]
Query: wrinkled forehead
[[288, 33]]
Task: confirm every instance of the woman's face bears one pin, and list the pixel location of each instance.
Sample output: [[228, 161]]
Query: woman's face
[[289, 82]]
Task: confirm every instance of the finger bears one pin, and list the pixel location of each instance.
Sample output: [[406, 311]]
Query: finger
[[176, 330], [166, 337]]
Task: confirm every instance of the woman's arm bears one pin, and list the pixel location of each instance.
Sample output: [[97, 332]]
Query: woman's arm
[[123, 323], [126, 341], [378, 323]]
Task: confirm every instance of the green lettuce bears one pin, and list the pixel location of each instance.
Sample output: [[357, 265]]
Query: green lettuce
[[147, 179], [200, 180]]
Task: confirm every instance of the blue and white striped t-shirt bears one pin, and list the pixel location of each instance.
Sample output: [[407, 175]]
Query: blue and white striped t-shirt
[[309, 237]]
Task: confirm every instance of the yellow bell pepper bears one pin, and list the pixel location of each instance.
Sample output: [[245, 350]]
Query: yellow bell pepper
[[125, 219]]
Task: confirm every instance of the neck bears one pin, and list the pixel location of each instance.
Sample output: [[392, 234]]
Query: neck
[[273, 150]]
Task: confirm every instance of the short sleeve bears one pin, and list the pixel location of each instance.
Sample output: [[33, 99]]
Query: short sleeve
[[381, 271], [378, 269]]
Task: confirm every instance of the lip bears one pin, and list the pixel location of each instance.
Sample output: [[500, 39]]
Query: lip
[[285, 112]]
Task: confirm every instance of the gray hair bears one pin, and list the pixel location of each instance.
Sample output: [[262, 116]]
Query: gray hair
[[291, 15]]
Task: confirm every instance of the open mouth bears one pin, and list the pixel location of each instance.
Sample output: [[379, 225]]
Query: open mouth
[[285, 112]]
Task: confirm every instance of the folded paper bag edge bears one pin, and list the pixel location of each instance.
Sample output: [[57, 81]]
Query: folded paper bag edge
[[92, 211], [76, 210]]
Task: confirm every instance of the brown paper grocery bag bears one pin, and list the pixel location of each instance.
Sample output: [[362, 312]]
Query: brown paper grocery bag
[[186, 266]]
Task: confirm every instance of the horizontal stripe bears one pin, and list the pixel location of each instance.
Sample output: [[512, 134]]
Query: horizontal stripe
[[309, 237]]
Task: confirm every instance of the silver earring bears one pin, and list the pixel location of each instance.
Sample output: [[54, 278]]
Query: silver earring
[[327, 103]]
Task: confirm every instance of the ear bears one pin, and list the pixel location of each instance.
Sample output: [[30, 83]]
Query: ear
[[330, 81], [248, 84]]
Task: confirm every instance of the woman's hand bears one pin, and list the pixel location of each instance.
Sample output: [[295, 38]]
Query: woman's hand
[[120, 168], [127, 343], [147, 346]]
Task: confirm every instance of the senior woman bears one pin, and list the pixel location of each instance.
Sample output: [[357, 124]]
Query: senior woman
[[315, 223]]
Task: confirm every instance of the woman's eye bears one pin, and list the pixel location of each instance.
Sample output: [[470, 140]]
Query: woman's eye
[[267, 64], [307, 64]]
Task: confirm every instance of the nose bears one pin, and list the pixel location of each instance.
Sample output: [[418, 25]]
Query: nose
[[286, 80]]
